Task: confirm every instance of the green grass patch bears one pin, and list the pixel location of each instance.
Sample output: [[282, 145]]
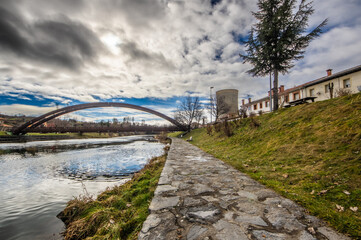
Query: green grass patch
[[309, 153], [117, 213], [175, 134], [48, 134]]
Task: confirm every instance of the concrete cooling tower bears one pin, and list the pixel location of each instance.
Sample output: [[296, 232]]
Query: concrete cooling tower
[[227, 102]]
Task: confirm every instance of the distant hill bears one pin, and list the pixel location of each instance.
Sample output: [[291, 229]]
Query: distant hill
[[7, 122]]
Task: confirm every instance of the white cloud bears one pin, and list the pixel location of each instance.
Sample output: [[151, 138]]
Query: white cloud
[[166, 48], [22, 109], [112, 42]]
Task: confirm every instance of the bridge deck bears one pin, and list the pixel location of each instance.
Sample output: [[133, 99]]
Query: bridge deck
[[201, 197]]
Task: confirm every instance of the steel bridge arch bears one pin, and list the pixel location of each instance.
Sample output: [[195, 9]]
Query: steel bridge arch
[[56, 113]]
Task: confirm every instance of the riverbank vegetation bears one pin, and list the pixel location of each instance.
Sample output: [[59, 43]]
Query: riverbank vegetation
[[309, 153], [117, 213]]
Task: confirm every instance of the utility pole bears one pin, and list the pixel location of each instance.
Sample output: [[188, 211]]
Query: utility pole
[[211, 101]]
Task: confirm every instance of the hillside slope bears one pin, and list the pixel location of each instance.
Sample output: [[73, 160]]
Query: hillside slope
[[309, 153]]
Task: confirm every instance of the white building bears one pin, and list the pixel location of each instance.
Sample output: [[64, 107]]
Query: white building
[[320, 89]]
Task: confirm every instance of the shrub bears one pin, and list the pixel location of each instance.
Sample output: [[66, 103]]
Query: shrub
[[209, 129], [162, 137], [227, 128], [243, 112], [217, 127], [343, 92], [254, 123]]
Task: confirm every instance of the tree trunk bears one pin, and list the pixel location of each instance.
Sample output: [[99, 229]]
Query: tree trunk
[[275, 90], [270, 92]]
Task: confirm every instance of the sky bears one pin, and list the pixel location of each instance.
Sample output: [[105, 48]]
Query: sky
[[152, 53]]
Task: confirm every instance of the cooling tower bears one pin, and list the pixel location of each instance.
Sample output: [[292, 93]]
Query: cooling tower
[[227, 102]]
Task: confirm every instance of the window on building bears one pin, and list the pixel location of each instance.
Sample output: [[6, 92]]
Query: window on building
[[260, 105], [286, 99], [255, 107], [266, 104], [327, 88], [312, 92], [347, 83], [296, 96]]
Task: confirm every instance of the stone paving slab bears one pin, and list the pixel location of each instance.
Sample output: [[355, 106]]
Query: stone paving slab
[[201, 197]]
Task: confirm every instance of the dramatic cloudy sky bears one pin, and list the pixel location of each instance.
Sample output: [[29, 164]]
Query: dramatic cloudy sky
[[147, 52]]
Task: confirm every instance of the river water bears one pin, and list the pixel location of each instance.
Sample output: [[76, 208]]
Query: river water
[[37, 179]]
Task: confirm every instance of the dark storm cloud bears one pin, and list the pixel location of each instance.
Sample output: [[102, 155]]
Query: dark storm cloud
[[61, 42], [215, 2], [10, 37], [136, 54]]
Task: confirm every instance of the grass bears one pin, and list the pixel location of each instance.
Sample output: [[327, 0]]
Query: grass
[[47, 134], [175, 134], [309, 153], [117, 213]]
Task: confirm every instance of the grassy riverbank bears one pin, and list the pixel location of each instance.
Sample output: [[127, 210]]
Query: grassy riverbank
[[309, 153], [117, 213]]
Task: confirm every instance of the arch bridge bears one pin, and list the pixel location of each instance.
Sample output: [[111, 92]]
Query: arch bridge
[[56, 113]]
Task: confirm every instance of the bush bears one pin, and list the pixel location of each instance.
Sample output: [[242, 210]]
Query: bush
[[343, 92], [227, 128], [209, 129], [162, 137], [217, 127], [254, 123], [243, 112]]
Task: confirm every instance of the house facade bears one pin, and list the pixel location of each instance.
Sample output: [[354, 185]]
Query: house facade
[[330, 86]]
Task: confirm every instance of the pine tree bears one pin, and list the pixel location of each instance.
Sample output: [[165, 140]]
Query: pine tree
[[279, 38]]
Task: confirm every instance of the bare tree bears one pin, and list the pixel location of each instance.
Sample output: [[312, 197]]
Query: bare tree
[[212, 108], [243, 111], [217, 107], [222, 106], [330, 87], [189, 110]]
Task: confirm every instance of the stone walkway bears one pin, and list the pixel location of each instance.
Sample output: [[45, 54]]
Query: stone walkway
[[201, 197]]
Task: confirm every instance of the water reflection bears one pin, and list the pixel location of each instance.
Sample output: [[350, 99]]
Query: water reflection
[[64, 145], [35, 186]]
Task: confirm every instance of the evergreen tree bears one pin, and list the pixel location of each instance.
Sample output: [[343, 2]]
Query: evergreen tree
[[279, 38]]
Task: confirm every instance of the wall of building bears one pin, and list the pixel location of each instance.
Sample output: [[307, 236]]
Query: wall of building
[[255, 107], [317, 90], [320, 89]]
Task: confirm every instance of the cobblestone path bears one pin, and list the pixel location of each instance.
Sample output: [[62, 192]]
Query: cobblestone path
[[201, 197]]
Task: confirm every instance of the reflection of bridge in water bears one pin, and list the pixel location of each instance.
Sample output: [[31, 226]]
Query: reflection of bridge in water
[[112, 129], [32, 124]]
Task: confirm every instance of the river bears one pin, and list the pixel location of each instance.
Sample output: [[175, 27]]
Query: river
[[37, 179]]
